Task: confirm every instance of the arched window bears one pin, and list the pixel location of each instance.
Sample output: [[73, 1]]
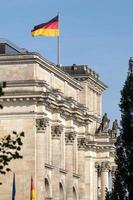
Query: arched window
[[47, 188], [74, 194], [61, 191]]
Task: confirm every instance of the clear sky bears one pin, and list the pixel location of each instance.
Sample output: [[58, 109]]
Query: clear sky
[[98, 33]]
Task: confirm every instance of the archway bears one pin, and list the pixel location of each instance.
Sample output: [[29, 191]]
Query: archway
[[74, 194], [61, 191], [47, 188]]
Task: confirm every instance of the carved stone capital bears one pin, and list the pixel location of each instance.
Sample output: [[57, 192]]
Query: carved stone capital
[[81, 143], [70, 137], [41, 124], [56, 131], [105, 166], [102, 166], [113, 170], [98, 167]]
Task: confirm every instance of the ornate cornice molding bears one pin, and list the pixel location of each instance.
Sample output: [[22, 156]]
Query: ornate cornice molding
[[97, 86], [100, 146], [53, 99], [32, 57]]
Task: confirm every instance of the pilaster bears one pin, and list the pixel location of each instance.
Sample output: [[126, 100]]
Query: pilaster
[[56, 131], [69, 139], [41, 128], [81, 166], [104, 179]]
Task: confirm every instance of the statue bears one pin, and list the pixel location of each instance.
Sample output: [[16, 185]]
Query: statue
[[104, 124], [131, 65], [114, 129]]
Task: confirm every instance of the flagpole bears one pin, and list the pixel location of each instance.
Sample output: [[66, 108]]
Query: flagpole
[[58, 44]]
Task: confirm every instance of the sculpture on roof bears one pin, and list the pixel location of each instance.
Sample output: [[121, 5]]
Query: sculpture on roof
[[103, 128], [114, 130], [130, 65]]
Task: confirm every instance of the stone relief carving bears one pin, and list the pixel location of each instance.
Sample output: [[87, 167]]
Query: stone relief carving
[[56, 131], [41, 124], [69, 137]]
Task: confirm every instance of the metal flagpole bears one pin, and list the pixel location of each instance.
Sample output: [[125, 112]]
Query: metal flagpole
[[58, 43]]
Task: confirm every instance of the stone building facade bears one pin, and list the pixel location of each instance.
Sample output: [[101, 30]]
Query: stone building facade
[[68, 147]]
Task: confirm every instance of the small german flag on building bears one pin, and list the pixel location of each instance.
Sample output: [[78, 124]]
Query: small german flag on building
[[50, 28], [32, 192]]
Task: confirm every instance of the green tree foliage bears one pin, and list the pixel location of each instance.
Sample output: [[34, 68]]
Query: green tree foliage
[[10, 145], [123, 182]]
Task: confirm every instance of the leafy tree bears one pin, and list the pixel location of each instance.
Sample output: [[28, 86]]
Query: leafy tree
[[9, 150], [123, 183], [10, 145]]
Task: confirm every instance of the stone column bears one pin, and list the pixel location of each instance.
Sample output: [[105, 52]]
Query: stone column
[[69, 138], [98, 185], [113, 170], [91, 101], [104, 179], [41, 125], [56, 158], [81, 166]]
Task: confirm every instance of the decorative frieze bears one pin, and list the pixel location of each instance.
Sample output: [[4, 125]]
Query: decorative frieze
[[56, 131], [41, 124], [70, 137]]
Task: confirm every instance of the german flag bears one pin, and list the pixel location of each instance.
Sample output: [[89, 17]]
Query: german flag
[[32, 192], [50, 28]]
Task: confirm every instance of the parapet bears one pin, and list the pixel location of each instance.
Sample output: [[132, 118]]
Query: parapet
[[80, 71], [8, 48]]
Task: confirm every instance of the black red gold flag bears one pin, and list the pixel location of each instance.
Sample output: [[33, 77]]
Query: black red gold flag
[[50, 28]]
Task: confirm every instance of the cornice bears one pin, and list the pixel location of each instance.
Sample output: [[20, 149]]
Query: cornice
[[33, 57], [100, 147], [53, 101], [93, 83]]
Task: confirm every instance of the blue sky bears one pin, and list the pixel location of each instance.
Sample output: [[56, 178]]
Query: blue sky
[[98, 33]]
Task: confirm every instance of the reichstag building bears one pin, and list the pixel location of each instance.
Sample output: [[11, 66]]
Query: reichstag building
[[68, 146]]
